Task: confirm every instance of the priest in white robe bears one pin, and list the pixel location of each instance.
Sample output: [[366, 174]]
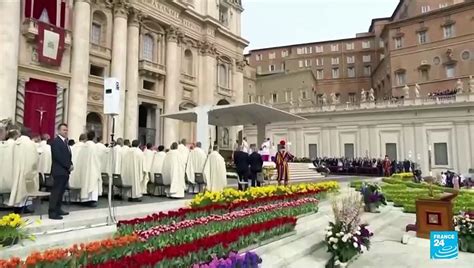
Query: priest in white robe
[[6, 161], [215, 172], [104, 160], [245, 146], [45, 160], [183, 151], [156, 166], [116, 161], [149, 154], [25, 171], [174, 172], [197, 158], [75, 177], [87, 166], [134, 173]]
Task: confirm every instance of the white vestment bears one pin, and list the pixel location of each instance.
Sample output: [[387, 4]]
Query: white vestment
[[157, 164], [116, 160], [173, 173], [133, 172], [6, 165], [87, 167], [245, 146], [196, 160], [25, 171], [148, 161], [266, 148], [215, 172], [45, 160], [184, 152], [75, 177], [105, 161]]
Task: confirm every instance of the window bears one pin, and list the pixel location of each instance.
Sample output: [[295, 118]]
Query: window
[[349, 150], [259, 69], [382, 56], [283, 66], [95, 33], [274, 98], [441, 154], [400, 78], [422, 37], [303, 94], [441, 5], [288, 96], [381, 44], [319, 49], [366, 58], [260, 99], [271, 67], [352, 97], [258, 57], [271, 56], [367, 70], [223, 15], [466, 55], [250, 98], [351, 72], [319, 99], [320, 74], [335, 60], [284, 53], [148, 85], [391, 150], [350, 59], [335, 47], [319, 61], [223, 76], [188, 62], [425, 9], [424, 74], [398, 42], [300, 63], [147, 47], [366, 44], [448, 31], [350, 46], [304, 50], [308, 62], [96, 70], [335, 72], [450, 71], [313, 150]]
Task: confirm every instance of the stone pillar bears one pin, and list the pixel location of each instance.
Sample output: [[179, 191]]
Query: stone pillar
[[261, 135], [131, 105], [119, 60], [172, 86], [9, 48], [202, 124], [208, 74], [77, 107]]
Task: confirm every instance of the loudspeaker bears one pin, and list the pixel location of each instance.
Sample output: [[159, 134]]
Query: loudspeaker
[[111, 96]]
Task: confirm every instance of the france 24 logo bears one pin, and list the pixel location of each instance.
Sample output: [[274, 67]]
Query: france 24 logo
[[444, 245]]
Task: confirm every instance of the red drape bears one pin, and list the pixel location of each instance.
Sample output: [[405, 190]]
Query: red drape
[[40, 98], [51, 6]]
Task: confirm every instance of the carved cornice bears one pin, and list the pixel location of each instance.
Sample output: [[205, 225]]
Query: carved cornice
[[174, 34], [120, 8], [207, 48], [135, 17], [241, 64], [84, 1]]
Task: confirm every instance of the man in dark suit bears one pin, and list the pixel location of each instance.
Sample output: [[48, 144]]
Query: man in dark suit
[[60, 169], [241, 160], [256, 163]]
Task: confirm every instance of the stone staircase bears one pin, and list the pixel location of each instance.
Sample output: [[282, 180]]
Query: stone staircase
[[303, 172]]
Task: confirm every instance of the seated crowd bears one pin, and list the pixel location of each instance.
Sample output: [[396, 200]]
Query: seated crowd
[[365, 165]]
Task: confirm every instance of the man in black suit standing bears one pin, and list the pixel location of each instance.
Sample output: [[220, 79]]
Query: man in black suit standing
[[60, 169], [256, 163], [241, 160]]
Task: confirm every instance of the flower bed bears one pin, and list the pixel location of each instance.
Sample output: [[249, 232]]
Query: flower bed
[[234, 260], [231, 195], [464, 224], [12, 230]]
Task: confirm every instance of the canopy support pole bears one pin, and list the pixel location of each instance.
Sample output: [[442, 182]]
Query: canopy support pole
[[202, 126], [261, 128]]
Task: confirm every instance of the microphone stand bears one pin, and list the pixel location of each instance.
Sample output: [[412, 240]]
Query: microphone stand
[[111, 217]]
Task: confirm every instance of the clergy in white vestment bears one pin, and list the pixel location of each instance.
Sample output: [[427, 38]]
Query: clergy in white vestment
[[116, 161], [157, 163], [134, 174], [183, 151], [196, 160], [87, 169], [45, 160], [266, 147], [215, 172], [25, 170], [245, 146], [125, 166], [74, 177], [103, 153], [149, 154], [173, 172], [6, 160]]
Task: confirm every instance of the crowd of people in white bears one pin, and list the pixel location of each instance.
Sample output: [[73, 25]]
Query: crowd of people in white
[[24, 158]]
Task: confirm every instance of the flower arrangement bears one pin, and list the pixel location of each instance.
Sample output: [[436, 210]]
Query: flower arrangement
[[12, 230], [373, 197], [464, 224], [233, 260], [346, 237]]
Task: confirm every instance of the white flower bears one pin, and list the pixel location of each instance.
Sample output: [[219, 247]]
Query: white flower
[[341, 233], [338, 234], [334, 239], [357, 233], [344, 239], [363, 248], [328, 228], [358, 228], [355, 244], [337, 262], [355, 238], [328, 234], [334, 246]]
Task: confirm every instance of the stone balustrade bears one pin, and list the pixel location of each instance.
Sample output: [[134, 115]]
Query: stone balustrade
[[151, 68], [29, 29], [100, 50]]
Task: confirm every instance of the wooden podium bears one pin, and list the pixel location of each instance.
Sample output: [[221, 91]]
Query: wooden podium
[[434, 215]]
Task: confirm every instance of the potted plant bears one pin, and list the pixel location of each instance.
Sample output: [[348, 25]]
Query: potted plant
[[12, 230], [346, 238], [373, 197], [464, 225]]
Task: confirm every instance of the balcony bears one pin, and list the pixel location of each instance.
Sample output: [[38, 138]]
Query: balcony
[[188, 79], [100, 51], [224, 91], [148, 68], [29, 29]]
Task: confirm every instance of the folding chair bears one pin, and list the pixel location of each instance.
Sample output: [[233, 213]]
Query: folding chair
[[118, 183], [199, 179], [159, 183]]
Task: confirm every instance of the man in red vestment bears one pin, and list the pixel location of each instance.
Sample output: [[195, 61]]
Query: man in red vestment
[[386, 164], [282, 158]]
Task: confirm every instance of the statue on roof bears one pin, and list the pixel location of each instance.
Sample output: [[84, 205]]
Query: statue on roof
[[371, 95]]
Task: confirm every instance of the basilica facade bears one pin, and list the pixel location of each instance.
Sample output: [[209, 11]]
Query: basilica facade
[[168, 55]]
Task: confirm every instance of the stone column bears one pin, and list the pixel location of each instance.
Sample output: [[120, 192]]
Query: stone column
[[131, 105], [119, 59], [208, 74], [9, 48], [238, 90], [77, 113], [172, 90]]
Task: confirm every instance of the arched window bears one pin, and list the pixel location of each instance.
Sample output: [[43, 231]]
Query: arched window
[[98, 28], [148, 47], [94, 123], [188, 62], [223, 75]]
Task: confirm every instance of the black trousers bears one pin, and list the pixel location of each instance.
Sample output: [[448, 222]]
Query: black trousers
[[57, 192], [253, 178], [243, 175]]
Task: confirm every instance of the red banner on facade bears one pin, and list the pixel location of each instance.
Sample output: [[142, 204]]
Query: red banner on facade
[[50, 44]]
